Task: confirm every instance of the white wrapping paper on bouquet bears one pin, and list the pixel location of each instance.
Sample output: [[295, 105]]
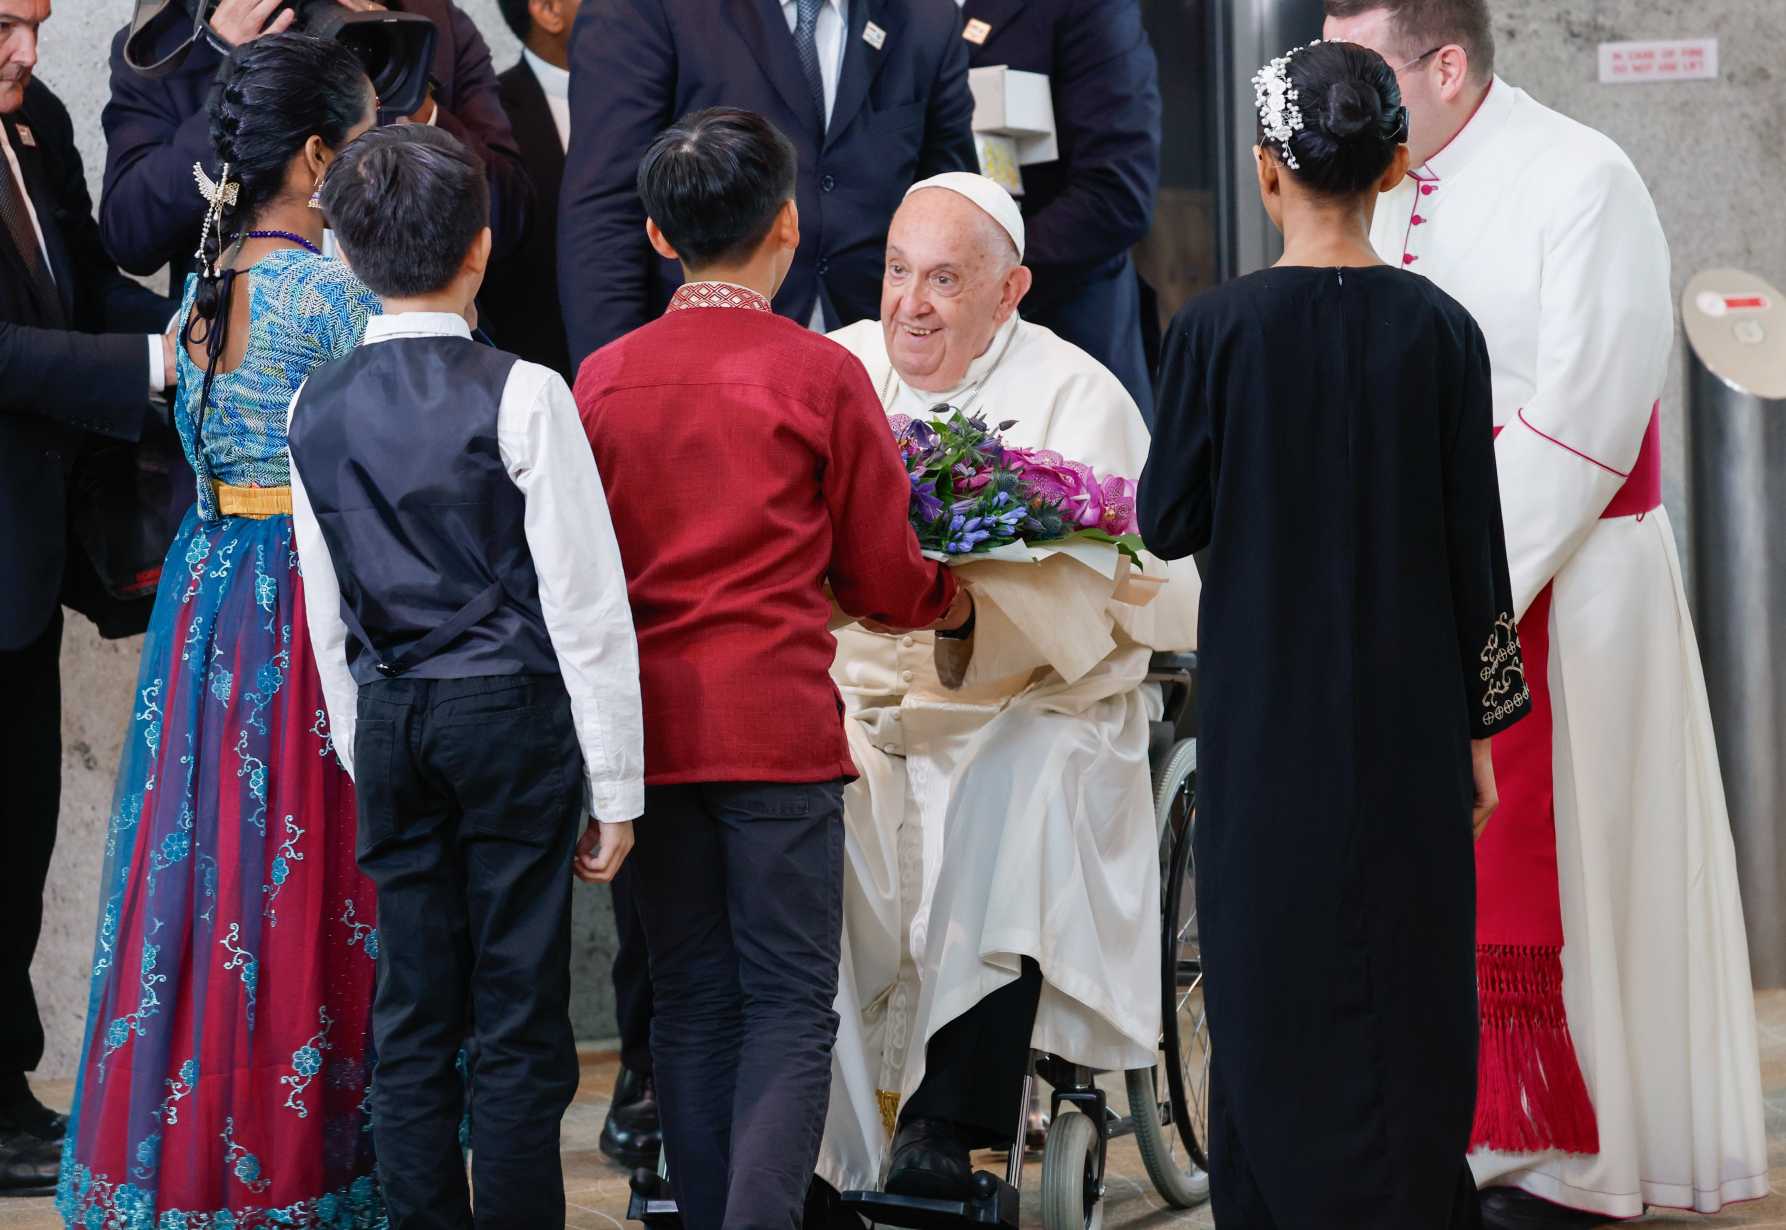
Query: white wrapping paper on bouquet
[[1063, 606]]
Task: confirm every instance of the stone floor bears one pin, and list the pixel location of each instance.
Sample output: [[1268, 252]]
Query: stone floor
[[597, 1190]]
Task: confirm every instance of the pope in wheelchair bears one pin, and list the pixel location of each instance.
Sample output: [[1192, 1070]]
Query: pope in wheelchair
[[1002, 886]]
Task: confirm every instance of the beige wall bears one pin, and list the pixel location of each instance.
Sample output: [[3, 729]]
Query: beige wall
[[1711, 152]]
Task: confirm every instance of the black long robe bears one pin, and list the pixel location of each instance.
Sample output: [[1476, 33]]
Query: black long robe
[[1324, 442]]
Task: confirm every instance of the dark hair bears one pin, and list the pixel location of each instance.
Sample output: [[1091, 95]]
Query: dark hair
[[515, 13], [1352, 118], [406, 203], [714, 181], [270, 97], [1424, 26]]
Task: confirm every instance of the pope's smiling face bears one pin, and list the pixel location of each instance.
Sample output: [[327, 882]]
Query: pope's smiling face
[[951, 279]]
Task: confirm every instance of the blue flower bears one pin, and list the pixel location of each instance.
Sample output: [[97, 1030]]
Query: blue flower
[[281, 870], [116, 1033], [306, 1061], [372, 944], [189, 1071], [248, 1168], [221, 681], [148, 1149], [176, 845]]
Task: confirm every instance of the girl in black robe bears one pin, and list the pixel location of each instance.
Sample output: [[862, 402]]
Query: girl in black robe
[[1323, 442]]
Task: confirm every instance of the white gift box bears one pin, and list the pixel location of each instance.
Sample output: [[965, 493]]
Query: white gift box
[[1015, 104]]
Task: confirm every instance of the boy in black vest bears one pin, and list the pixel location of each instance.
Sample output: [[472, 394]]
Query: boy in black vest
[[467, 604]]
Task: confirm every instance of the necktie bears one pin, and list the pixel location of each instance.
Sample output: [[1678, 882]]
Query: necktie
[[806, 41], [17, 219]]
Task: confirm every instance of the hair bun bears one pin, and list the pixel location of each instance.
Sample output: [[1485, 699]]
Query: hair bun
[[1353, 107]]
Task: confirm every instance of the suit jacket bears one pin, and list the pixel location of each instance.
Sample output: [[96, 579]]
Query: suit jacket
[[518, 306], [1084, 212], [156, 129], [59, 381], [903, 112]]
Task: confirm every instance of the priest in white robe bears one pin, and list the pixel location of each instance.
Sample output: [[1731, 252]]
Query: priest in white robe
[[1002, 881], [1544, 231]]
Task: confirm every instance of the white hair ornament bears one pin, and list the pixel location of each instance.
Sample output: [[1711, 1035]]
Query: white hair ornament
[[1277, 103], [219, 193]]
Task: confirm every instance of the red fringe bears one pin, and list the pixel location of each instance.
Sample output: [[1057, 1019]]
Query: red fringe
[[1530, 1095]]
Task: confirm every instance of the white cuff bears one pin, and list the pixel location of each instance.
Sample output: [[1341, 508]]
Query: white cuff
[[157, 365]]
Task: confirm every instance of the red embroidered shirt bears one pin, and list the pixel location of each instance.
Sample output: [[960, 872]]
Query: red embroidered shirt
[[747, 462]]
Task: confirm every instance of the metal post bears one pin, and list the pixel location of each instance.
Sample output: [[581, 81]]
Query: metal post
[[1736, 435], [1014, 1166]]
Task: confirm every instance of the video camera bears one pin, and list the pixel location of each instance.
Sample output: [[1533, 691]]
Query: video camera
[[397, 49]]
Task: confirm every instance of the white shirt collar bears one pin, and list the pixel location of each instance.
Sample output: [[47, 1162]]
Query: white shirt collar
[[1478, 131], [788, 6], [555, 81], [416, 324]]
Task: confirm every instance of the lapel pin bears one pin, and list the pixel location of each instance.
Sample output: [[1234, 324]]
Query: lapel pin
[[26, 138], [874, 36], [977, 32]]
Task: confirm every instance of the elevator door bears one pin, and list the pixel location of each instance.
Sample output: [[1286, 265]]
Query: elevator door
[[1208, 224]]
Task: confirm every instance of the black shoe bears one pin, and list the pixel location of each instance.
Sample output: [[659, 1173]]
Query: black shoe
[[631, 1135], [28, 1165], [1509, 1208], [930, 1160], [29, 1116]]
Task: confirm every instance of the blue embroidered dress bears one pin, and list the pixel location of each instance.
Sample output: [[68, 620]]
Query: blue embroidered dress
[[224, 1076]]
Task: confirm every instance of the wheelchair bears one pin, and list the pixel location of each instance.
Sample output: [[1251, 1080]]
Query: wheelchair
[[1170, 1124]]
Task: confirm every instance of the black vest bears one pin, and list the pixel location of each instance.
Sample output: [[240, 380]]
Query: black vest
[[396, 445]]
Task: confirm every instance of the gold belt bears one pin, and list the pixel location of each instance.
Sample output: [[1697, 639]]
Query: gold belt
[[257, 503]]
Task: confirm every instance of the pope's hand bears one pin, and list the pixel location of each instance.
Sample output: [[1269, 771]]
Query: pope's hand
[[601, 851]]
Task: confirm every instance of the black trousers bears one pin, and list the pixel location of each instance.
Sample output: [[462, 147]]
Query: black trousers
[[740, 888], [470, 800], [31, 765], [974, 1065], [632, 975]]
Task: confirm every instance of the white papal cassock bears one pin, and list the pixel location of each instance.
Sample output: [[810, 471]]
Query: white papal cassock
[[1542, 228], [1013, 817]]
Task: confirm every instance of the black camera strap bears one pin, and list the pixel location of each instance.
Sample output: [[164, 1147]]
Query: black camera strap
[[147, 12]]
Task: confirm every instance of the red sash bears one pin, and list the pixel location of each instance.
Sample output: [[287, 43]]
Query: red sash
[[1530, 1092]]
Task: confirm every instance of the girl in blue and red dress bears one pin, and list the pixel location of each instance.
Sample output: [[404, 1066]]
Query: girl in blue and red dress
[[224, 1076]]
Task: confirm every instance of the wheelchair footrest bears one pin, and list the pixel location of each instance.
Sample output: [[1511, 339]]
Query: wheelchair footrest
[[653, 1203], [994, 1204]]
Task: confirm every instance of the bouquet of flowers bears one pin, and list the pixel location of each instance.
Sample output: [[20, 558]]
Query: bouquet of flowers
[[973, 494]]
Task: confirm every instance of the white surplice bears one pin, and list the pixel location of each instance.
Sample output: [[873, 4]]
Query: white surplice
[[1012, 817], [1544, 231]]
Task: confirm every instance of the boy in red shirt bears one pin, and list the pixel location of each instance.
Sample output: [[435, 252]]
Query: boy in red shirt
[[749, 465]]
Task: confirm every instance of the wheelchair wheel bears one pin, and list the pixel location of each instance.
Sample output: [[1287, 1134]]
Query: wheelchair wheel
[[1185, 1035], [1072, 1182], [1175, 1176]]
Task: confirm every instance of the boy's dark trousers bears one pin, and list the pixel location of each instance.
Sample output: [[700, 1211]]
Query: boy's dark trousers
[[470, 796], [740, 888]]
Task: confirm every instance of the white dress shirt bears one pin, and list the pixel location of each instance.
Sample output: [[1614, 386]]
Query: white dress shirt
[[555, 83], [158, 373], [582, 586], [834, 20]]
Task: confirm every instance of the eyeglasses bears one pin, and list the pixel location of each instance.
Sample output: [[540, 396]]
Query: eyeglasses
[[1417, 59]]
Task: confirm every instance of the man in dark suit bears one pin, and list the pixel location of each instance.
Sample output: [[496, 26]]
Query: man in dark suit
[[156, 129], [873, 93], [1083, 212], [518, 307], [81, 350]]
